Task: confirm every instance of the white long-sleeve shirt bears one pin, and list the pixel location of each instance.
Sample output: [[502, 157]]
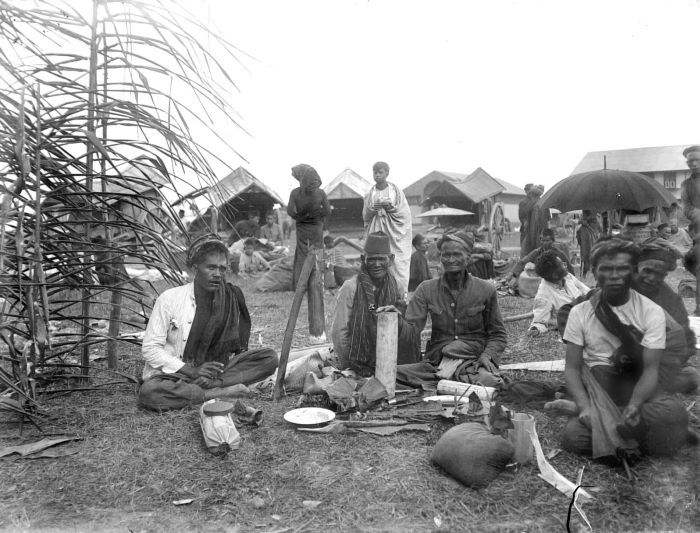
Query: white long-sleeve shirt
[[167, 331], [551, 297]]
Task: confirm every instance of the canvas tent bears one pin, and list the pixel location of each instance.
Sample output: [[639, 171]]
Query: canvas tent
[[234, 196], [346, 194], [463, 191]]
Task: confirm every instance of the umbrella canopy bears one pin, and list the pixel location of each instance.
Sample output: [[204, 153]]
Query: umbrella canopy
[[445, 212], [607, 190]]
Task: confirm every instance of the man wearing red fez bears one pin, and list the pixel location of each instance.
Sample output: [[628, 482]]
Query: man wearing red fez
[[374, 290]]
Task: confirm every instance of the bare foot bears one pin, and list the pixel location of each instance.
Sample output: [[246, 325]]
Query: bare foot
[[232, 391]]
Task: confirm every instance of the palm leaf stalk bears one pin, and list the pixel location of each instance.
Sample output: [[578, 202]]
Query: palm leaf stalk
[[69, 228]]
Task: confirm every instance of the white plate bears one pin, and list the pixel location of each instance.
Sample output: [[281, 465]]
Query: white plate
[[309, 416], [446, 399]]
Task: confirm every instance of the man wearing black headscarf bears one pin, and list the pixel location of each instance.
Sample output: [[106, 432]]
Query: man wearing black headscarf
[[196, 343], [656, 260]]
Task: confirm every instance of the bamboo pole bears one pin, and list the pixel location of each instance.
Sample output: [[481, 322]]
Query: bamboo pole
[[92, 95], [115, 259], [38, 255], [317, 322], [302, 284]]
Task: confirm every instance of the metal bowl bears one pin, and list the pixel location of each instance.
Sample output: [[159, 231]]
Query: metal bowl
[[309, 417]]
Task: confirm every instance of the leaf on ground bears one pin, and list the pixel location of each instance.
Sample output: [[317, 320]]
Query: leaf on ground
[[34, 447], [53, 453], [391, 430], [186, 501]]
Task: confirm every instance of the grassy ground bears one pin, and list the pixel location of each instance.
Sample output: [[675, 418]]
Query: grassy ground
[[131, 465]]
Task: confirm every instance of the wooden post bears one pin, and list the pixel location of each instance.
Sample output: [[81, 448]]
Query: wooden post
[[89, 173], [317, 322], [291, 322], [387, 350]]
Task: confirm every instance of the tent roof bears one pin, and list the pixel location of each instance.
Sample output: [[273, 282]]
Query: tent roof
[[347, 184], [236, 183], [651, 159], [476, 186]]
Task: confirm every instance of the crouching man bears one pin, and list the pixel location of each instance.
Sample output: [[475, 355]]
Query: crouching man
[[196, 342], [374, 290], [615, 341]]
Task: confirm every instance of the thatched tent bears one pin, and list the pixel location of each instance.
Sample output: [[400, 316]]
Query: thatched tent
[[346, 194], [234, 196]]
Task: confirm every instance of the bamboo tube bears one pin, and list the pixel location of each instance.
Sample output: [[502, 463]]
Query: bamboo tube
[[387, 349], [519, 436], [457, 388], [515, 318], [291, 322]]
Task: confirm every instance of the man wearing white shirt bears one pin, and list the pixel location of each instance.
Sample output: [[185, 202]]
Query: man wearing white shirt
[[196, 342], [615, 341], [558, 288]]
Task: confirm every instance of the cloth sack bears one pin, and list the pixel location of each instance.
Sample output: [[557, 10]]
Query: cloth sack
[[278, 278], [471, 454], [528, 282]]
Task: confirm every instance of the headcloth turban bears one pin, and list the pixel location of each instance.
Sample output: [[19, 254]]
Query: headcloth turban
[[659, 250], [609, 247], [211, 241], [466, 239], [302, 171]]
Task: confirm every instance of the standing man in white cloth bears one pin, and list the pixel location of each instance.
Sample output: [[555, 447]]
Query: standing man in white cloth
[[386, 210]]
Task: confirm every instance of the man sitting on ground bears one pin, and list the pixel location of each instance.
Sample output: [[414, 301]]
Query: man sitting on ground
[[680, 238], [468, 334], [251, 262], [657, 259], [271, 230], [373, 290], [615, 341], [558, 288], [547, 242], [249, 227], [196, 341]]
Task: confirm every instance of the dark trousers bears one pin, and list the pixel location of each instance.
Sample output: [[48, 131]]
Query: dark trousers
[[174, 391], [664, 422]]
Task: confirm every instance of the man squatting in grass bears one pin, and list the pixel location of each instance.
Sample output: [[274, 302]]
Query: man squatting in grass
[[618, 338], [468, 333], [196, 341]]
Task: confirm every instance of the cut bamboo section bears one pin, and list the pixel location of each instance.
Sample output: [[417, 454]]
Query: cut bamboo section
[[387, 350]]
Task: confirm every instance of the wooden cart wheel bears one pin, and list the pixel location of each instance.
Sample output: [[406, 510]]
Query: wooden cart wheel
[[497, 228]]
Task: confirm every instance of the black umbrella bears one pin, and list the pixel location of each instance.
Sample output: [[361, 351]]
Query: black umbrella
[[607, 190]]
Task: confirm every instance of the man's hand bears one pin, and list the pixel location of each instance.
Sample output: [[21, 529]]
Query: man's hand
[[387, 309], [513, 283], [485, 361], [631, 415], [209, 370], [584, 416]]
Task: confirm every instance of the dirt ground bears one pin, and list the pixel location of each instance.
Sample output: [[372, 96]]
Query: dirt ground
[[131, 466]]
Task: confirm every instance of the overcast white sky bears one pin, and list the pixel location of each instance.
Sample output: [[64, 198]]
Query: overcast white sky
[[521, 88]]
